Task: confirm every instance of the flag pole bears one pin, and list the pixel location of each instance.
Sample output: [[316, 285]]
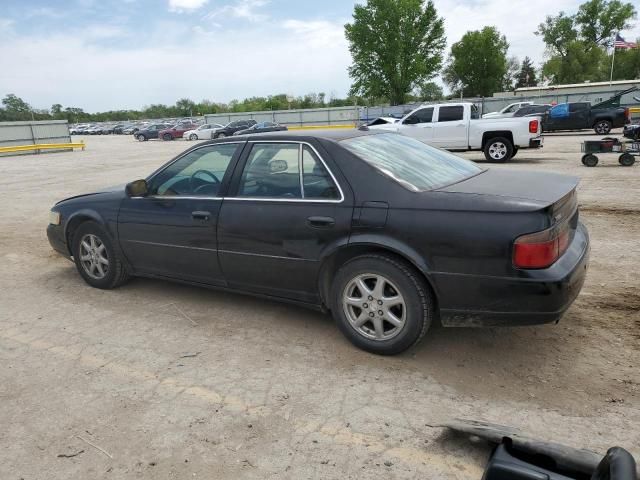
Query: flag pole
[[613, 57]]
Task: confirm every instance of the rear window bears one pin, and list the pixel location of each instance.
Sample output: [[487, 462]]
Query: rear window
[[450, 114], [416, 166]]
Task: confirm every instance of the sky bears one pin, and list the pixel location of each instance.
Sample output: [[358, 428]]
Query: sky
[[107, 55]]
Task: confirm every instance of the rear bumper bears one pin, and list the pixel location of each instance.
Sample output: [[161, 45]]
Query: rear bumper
[[542, 297], [535, 142]]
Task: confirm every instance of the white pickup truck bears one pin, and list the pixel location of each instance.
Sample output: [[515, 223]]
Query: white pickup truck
[[457, 126]]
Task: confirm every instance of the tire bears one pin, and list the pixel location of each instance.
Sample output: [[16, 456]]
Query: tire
[[602, 127], [400, 279], [626, 160], [193, 136], [221, 135], [589, 160], [515, 151], [498, 149], [167, 136], [105, 276], [141, 138]]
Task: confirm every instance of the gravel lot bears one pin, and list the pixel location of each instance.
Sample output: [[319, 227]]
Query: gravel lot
[[157, 380]]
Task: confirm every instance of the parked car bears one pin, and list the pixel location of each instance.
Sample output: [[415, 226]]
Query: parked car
[[131, 129], [152, 131], [387, 233], [203, 132], [632, 132], [176, 131], [532, 110], [107, 129], [231, 128], [118, 128], [262, 127], [93, 130], [507, 111], [456, 126], [582, 116]]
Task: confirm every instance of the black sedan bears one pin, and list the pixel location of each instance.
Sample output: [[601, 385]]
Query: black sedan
[[151, 131], [387, 233], [262, 127], [232, 127]]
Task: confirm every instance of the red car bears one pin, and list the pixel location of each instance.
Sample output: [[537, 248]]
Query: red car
[[177, 131]]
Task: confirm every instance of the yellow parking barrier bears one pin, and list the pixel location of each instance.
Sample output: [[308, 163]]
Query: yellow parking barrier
[[41, 146]]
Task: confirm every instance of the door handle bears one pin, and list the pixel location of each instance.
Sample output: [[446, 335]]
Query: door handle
[[201, 215], [321, 222]]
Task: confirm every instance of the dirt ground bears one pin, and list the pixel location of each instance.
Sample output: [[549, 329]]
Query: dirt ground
[[157, 380]]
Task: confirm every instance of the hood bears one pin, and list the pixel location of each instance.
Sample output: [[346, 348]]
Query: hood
[[542, 188], [112, 189]]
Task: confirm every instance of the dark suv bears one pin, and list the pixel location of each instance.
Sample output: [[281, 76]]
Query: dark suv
[[232, 128]]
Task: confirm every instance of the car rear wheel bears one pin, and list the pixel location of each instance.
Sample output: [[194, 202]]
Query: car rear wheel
[[381, 304], [141, 138], [498, 149], [193, 136], [96, 259], [167, 137], [626, 160], [602, 127], [221, 135]]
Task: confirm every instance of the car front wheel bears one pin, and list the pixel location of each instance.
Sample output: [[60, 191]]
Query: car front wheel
[[167, 137], [141, 138], [96, 259], [193, 136], [381, 304], [220, 135]]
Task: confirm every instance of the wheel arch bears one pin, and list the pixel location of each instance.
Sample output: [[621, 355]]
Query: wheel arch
[[331, 263], [601, 119], [486, 136], [77, 219]]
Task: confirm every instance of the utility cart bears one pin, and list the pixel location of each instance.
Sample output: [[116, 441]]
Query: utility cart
[[628, 151]]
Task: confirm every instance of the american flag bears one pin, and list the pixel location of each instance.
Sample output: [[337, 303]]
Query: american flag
[[622, 43]]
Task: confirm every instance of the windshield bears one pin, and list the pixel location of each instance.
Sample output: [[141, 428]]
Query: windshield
[[416, 166]]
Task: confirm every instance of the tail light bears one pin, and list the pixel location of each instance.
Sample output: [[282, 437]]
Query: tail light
[[541, 249], [533, 126]]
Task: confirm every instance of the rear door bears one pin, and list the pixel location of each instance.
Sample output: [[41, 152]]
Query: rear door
[[579, 115], [450, 129], [284, 209]]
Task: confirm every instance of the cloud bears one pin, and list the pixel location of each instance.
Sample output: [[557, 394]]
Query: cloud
[[317, 33], [242, 9], [186, 5]]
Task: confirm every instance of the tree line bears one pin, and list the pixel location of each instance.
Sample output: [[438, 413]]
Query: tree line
[[397, 47]]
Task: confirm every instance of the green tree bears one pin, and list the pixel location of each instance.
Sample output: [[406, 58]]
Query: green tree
[[395, 45], [478, 63], [626, 64], [526, 75], [56, 110], [429, 92], [576, 45]]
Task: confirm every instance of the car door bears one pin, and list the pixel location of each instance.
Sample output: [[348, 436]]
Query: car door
[[418, 125], [579, 115], [450, 128], [284, 209], [171, 232]]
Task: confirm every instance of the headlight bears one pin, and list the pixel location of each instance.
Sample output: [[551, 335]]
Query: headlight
[[54, 218]]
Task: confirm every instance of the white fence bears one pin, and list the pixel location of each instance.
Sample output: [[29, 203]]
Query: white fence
[[33, 132]]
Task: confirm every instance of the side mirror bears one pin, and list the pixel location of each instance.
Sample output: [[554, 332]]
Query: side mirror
[[137, 188]]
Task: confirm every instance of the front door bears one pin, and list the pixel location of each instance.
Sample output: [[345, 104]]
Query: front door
[[450, 129], [172, 231], [419, 125], [284, 209]]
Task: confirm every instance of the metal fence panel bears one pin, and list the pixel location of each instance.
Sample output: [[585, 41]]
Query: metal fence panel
[[32, 133]]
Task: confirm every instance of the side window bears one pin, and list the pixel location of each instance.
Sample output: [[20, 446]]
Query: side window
[[424, 115], [475, 112], [512, 108], [199, 173], [272, 171], [578, 107], [316, 180], [451, 114]]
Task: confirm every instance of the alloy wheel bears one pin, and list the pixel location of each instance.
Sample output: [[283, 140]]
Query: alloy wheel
[[374, 306], [497, 150], [93, 257]]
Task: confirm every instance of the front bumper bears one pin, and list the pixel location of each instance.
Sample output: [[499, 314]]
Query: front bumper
[[55, 234], [542, 297]]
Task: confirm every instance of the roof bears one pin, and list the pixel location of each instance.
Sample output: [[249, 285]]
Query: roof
[[334, 134]]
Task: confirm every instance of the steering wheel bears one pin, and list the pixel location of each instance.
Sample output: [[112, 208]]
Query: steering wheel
[[195, 174]]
